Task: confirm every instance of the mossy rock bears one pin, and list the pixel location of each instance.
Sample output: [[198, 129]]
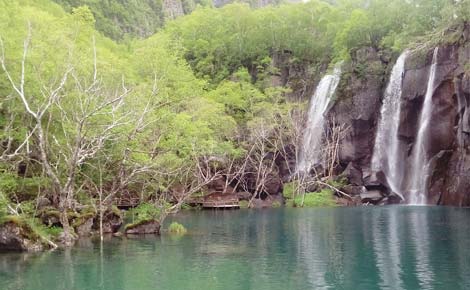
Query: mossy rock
[[16, 234], [83, 218], [288, 190], [143, 227]]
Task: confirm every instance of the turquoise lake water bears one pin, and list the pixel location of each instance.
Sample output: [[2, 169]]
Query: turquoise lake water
[[360, 248]]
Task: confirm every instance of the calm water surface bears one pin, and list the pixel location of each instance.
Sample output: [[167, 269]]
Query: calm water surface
[[344, 248]]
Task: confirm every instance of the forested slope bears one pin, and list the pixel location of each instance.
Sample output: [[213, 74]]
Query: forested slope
[[86, 121]]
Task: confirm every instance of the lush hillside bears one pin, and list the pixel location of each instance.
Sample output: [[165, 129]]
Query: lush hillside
[[196, 108]]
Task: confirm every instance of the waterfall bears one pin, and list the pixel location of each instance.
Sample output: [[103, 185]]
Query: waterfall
[[419, 162], [386, 155], [310, 151]]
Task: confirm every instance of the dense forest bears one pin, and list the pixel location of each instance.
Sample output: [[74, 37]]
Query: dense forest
[[94, 110]]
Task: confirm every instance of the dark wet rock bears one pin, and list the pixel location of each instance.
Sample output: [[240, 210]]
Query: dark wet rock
[[353, 190], [16, 236], [346, 201], [270, 201], [357, 108], [272, 182], [353, 174], [144, 227], [83, 229], [244, 195], [112, 221], [448, 151], [49, 216], [62, 239], [43, 202], [371, 196]]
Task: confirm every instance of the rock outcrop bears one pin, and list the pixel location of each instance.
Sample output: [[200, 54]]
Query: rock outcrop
[[449, 138], [144, 227], [356, 108], [16, 236], [358, 104], [112, 222]]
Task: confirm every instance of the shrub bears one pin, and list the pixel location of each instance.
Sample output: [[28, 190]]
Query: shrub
[[32, 228], [177, 228], [243, 204], [3, 205], [288, 190], [53, 231], [145, 212], [276, 204]]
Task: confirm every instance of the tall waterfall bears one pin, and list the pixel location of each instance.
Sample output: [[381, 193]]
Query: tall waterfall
[[310, 151], [387, 157], [419, 162]]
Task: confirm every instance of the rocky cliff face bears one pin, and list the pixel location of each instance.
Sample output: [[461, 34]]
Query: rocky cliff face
[[356, 109], [448, 150], [358, 105]]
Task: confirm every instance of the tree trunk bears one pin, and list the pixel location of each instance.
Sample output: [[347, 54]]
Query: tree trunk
[[64, 220]]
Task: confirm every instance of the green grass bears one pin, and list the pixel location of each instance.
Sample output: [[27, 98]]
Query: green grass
[[144, 212], [243, 204], [288, 190], [177, 229], [324, 198]]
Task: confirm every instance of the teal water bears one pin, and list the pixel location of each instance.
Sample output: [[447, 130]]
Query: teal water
[[342, 248]]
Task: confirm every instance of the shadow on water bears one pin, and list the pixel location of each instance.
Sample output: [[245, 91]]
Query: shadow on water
[[394, 247]]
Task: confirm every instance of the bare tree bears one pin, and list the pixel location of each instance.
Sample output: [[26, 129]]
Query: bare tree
[[83, 136]]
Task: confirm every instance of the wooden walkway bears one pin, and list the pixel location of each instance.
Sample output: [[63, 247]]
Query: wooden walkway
[[221, 204], [215, 202], [207, 202], [126, 203]]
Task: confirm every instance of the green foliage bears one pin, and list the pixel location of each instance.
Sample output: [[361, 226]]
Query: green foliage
[[3, 205], [32, 228], [177, 229], [276, 204], [338, 182], [53, 231], [41, 230], [145, 212], [82, 217], [324, 198], [243, 204], [84, 15], [200, 88], [218, 42], [288, 190]]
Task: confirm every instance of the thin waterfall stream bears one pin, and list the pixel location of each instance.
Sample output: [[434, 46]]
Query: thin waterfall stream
[[419, 159], [310, 150], [387, 156]]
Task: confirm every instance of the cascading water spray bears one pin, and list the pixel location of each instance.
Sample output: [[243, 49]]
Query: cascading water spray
[[310, 151], [419, 159], [387, 156]]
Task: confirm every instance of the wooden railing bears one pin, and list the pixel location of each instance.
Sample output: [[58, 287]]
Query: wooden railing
[[126, 202], [221, 204]]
